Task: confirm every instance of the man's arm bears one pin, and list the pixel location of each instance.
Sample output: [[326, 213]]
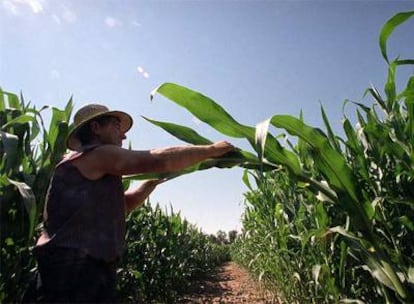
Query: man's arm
[[110, 159], [135, 197]]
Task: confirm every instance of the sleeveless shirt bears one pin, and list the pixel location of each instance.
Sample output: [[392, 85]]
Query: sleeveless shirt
[[84, 214]]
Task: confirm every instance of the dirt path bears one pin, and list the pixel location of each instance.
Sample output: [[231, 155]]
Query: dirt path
[[230, 284]]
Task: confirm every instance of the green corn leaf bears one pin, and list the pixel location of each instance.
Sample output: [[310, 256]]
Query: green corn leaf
[[321, 216], [276, 154], [302, 148], [22, 119], [377, 96], [58, 116], [29, 202], [331, 134], [354, 144], [10, 143], [404, 62], [184, 133], [190, 136], [407, 222], [378, 267], [69, 108], [246, 180], [332, 163], [59, 146], [390, 89], [389, 27], [2, 103], [409, 103], [208, 111], [411, 275], [342, 263], [204, 108], [13, 100]]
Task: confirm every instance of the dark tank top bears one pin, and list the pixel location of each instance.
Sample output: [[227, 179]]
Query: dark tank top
[[84, 214]]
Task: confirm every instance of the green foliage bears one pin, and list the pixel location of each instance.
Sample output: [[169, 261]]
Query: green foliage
[[365, 181], [284, 241], [28, 154], [164, 253], [323, 218]]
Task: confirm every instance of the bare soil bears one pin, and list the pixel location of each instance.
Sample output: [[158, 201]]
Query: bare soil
[[230, 284]]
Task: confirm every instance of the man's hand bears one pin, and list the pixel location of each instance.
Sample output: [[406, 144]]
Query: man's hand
[[221, 147]]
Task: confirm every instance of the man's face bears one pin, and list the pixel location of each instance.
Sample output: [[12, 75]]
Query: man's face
[[110, 133]]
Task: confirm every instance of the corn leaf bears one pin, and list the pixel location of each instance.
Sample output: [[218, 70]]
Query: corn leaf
[[21, 119], [29, 202], [58, 116], [331, 134], [13, 100], [389, 27], [390, 89], [181, 132], [2, 104], [409, 102], [10, 143], [379, 268], [188, 135], [208, 111], [377, 96], [332, 162], [204, 108]]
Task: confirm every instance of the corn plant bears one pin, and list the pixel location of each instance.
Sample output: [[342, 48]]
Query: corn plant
[[283, 242], [164, 254], [365, 178], [28, 154]]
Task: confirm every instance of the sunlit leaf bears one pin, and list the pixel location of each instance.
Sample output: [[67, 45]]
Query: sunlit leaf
[[29, 201], [205, 109], [22, 119], [261, 136], [208, 111], [184, 133], [389, 27], [332, 162]]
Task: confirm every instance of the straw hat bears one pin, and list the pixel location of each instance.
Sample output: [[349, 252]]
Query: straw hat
[[89, 112]]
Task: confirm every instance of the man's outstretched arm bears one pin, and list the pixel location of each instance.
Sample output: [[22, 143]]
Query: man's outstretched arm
[[135, 197], [110, 159]]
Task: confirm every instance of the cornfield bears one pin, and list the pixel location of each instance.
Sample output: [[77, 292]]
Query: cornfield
[[330, 219], [165, 253], [327, 219]]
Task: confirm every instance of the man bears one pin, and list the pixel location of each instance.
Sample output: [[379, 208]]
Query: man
[[84, 215]]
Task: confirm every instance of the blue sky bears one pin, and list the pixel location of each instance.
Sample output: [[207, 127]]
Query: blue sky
[[255, 58]]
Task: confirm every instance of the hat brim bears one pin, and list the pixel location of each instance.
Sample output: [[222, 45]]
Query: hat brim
[[73, 142]]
